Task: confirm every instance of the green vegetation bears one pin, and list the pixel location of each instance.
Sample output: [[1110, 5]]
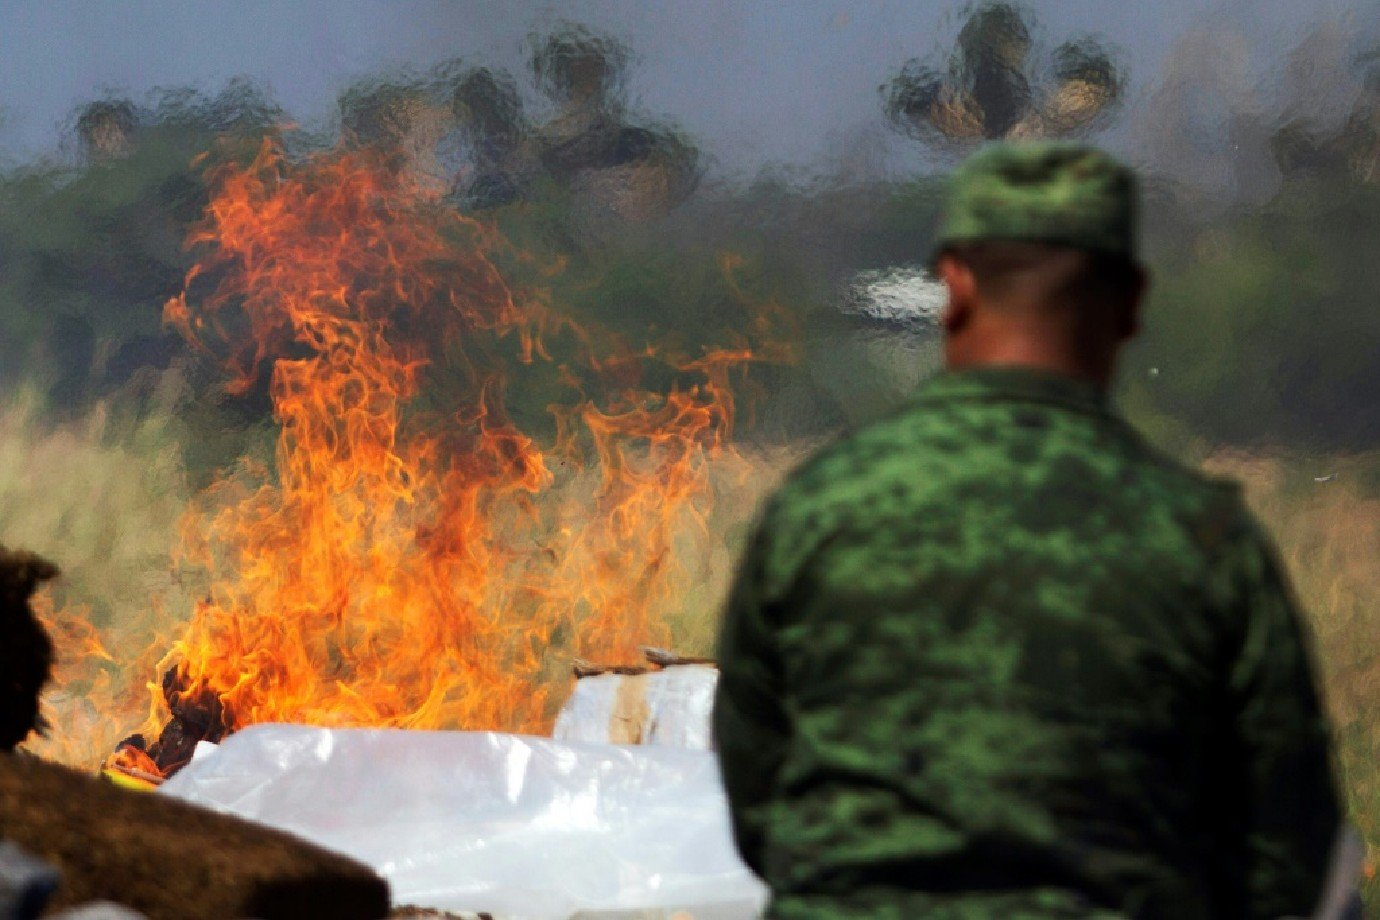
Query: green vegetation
[[992, 86], [1264, 325]]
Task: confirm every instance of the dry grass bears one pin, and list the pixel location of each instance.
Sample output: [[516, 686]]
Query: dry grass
[[102, 501], [1329, 535], [105, 502], [740, 485]]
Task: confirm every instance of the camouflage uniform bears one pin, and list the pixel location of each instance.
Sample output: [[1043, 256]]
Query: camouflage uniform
[[994, 657]]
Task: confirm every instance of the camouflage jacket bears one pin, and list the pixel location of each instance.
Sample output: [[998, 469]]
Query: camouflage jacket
[[994, 657]]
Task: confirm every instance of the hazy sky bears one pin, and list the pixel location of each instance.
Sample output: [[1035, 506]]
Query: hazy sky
[[756, 81]]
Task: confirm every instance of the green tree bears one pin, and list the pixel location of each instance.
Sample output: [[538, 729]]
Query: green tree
[[992, 86]]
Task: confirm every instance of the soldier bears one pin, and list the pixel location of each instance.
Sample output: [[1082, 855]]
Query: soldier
[[993, 657]]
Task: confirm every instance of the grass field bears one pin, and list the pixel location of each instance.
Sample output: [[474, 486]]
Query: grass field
[[1329, 535], [105, 504], [102, 501]]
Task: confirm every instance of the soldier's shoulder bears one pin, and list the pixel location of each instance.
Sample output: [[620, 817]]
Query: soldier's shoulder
[[1211, 506], [841, 483], [1192, 479], [840, 471]]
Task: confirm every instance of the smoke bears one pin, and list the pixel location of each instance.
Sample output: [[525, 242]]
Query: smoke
[[618, 368]]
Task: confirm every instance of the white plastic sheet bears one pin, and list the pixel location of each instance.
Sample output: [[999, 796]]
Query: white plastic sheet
[[670, 707], [101, 910], [523, 828]]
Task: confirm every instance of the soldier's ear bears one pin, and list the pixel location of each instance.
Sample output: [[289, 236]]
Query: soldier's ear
[[962, 286]]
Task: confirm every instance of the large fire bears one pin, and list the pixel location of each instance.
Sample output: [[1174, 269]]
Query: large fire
[[408, 565]]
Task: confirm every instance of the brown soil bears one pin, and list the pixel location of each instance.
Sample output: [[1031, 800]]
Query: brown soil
[[171, 860]]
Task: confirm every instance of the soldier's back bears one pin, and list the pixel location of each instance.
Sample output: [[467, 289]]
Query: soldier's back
[[1003, 634]]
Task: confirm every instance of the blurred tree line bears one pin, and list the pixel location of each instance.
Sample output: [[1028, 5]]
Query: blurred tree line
[[1264, 324], [1263, 331]]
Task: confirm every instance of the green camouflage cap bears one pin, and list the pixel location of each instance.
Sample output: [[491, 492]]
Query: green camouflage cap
[[1046, 192]]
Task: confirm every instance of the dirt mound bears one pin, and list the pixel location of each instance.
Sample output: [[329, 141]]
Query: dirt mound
[[170, 860]]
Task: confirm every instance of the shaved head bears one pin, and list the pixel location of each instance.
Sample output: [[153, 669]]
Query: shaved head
[[1059, 307], [1037, 276]]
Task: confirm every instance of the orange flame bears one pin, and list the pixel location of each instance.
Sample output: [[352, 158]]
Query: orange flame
[[400, 569], [91, 695]]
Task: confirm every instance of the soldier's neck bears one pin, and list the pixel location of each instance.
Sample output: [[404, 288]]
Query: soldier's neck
[[1049, 356]]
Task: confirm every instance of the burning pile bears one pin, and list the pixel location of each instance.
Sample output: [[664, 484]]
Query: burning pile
[[407, 565]]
